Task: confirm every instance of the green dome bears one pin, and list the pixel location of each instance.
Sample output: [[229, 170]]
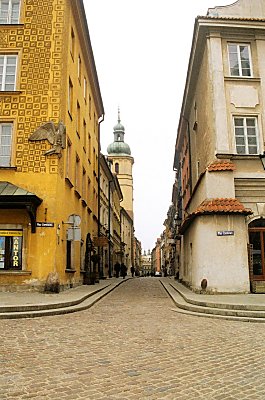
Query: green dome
[[119, 147], [118, 127]]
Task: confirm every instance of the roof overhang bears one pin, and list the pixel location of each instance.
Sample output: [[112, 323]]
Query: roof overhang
[[14, 197]]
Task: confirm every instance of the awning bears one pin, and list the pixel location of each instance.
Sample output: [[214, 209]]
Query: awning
[[14, 197]]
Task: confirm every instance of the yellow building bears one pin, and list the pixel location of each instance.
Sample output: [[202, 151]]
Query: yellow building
[[50, 109], [110, 219]]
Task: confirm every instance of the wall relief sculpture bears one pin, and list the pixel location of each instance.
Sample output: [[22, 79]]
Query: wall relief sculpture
[[55, 134]]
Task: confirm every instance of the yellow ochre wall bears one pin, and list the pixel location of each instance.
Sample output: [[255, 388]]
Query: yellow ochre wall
[[45, 64]]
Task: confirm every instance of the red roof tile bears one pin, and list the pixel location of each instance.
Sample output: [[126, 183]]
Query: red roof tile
[[222, 205], [221, 166], [215, 206]]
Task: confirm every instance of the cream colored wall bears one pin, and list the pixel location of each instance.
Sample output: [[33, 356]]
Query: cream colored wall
[[125, 179], [222, 260], [203, 138]]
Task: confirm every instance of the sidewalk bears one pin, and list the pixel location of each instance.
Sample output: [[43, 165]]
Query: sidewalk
[[244, 307], [36, 304]]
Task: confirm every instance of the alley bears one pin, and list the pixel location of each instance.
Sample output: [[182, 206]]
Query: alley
[[131, 345]]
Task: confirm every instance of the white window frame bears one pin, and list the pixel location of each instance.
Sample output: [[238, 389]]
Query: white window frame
[[245, 135], [3, 84], [9, 19], [6, 148], [239, 60]]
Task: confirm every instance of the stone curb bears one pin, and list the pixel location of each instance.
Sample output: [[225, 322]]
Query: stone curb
[[247, 307], [208, 311], [67, 307]]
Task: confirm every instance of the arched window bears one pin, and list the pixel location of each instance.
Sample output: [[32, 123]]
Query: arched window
[[117, 168]]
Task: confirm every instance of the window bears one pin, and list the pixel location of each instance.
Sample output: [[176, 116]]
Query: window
[[68, 159], [246, 135], [239, 60], [84, 183], [79, 68], [11, 249], [9, 11], [117, 168], [77, 173], [72, 43], [85, 135], [70, 97], [78, 112], [85, 89], [89, 147], [5, 144], [8, 67], [89, 106]]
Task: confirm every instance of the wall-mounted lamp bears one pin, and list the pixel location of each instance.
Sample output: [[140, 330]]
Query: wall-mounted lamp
[[262, 159]]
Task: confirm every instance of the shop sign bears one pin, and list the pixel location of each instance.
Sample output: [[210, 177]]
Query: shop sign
[[44, 224], [11, 233], [225, 233]]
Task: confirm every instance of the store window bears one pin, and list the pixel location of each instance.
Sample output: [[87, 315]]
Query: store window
[[10, 249]]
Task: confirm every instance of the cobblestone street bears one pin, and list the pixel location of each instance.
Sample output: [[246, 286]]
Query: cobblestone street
[[131, 345]]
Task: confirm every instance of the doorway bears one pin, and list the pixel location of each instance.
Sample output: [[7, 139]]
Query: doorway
[[256, 231]]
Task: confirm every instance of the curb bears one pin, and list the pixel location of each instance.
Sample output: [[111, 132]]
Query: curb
[[204, 310], [41, 310]]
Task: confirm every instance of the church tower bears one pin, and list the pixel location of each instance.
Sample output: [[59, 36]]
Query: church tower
[[120, 154]]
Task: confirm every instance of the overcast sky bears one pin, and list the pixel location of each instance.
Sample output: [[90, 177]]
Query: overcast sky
[[141, 50]]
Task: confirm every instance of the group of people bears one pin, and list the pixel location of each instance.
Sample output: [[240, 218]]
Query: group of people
[[121, 270]]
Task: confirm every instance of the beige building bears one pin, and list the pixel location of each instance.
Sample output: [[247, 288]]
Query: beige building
[[219, 152], [146, 263]]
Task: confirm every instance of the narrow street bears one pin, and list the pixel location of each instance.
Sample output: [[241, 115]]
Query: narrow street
[[131, 345]]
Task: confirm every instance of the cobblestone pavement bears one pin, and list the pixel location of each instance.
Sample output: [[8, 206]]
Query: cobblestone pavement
[[131, 345]]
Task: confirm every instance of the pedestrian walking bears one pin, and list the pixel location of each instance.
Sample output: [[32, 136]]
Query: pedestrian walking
[[132, 271], [117, 268], [123, 270]]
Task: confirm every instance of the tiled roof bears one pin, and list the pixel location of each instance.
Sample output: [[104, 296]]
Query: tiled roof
[[236, 18], [215, 206], [221, 166], [220, 206]]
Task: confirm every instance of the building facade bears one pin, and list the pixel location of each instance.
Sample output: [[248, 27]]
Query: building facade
[[146, 263], [219, 151], [50, 111], [119, 154], [109, 240]]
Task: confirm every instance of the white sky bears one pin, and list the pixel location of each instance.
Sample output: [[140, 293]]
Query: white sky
[[141, 50]]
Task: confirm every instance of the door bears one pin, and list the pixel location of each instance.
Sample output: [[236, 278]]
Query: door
[[257, 245]]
